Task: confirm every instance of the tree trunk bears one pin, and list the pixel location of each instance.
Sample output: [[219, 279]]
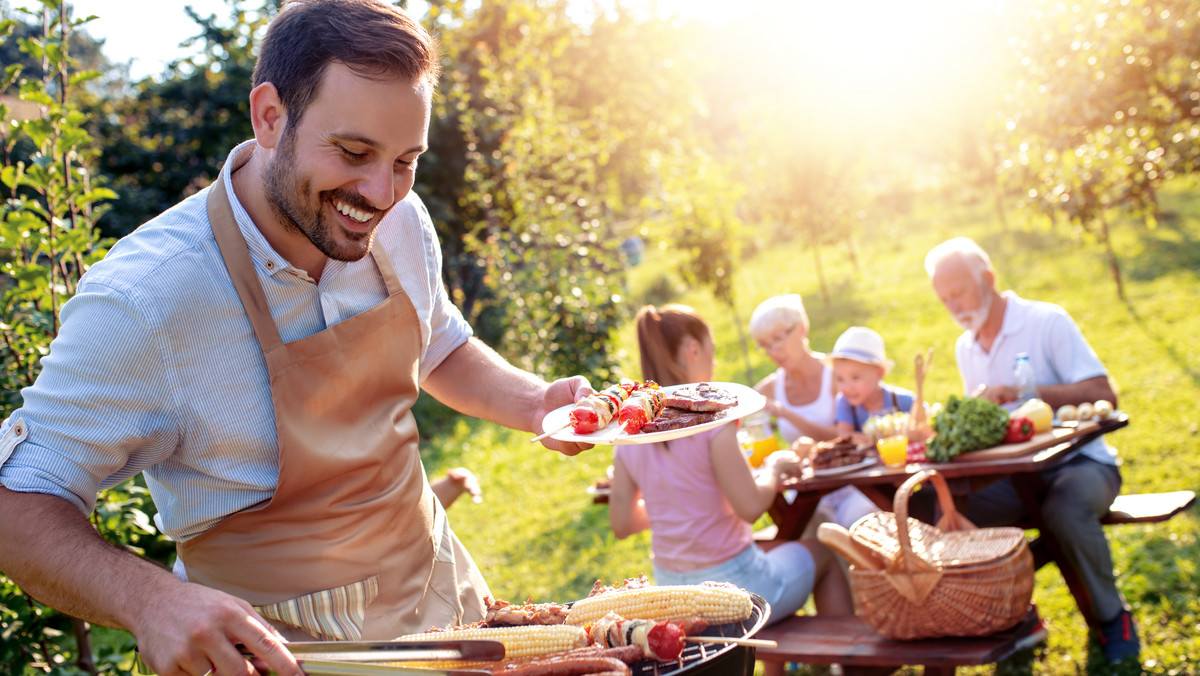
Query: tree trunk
[[1113, 264], [998, 199], [741, 330], [816, 251], [83, 641]]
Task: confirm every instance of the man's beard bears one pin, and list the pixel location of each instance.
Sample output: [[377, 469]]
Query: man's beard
[[286, 193], [973, 320]]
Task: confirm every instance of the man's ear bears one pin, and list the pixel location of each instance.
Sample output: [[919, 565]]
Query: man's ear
[[267, 115], [989, 279]]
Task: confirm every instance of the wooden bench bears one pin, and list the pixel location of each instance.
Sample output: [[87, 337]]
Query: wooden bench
[[1133, 508], [848, 641], [1148, 507]]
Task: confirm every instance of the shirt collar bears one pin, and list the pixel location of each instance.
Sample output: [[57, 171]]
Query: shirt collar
[[262, 254]]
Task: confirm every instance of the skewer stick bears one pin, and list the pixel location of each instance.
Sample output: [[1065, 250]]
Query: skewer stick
[[755, 642], [550, 433], [619, 432]]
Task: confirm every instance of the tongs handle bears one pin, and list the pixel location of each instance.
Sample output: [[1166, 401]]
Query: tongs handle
[[436, 650], [331, 668]]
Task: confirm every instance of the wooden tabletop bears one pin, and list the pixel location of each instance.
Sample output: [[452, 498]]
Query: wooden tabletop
[[798, 498]]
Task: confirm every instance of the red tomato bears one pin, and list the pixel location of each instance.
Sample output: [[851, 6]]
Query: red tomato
[[665, 641]]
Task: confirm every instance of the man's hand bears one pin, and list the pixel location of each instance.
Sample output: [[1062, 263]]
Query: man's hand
[[997, 394], [192, 630], [562, 392]]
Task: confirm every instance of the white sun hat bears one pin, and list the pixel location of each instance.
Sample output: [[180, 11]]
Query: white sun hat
[[860, 344]]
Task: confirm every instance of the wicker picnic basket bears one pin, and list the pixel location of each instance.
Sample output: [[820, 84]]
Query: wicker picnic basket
[[951, 580]]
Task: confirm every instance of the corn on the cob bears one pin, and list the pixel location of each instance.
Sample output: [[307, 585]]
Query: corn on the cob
[[713, 604], [526, 641]]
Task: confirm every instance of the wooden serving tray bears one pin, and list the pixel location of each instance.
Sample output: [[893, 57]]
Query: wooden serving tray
[[1042, 440]]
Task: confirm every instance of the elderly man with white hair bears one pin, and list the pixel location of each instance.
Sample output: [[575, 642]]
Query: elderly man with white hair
[[996, 328]]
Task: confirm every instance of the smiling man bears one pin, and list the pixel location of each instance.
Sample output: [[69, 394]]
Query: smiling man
[[255, 351]]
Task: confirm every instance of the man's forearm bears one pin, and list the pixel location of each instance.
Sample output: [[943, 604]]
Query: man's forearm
[[1092, 389], [48, 548], [477, 381]]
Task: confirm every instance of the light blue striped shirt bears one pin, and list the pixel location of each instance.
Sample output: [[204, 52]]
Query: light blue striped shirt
[[156, 367]]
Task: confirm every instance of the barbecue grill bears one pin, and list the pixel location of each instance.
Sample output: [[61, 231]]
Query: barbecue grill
[[714, 659]]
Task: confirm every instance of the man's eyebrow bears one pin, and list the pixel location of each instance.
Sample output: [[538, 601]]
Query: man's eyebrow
[[370, 143]]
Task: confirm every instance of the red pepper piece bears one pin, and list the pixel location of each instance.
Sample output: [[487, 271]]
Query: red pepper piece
[[1019, 429]]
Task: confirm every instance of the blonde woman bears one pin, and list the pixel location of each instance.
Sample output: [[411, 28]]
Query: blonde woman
[[801, 394]]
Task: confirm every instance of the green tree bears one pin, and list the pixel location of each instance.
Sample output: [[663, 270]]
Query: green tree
[[551, 144], [85, 51], [168, 139], [47, 241], [1104, 109]]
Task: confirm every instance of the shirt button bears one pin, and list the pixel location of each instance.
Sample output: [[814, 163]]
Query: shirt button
[[19, 430], [270, 265]]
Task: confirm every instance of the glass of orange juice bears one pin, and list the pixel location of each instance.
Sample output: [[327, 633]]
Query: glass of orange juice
[[893, 450], [761, 448], [757, 438]]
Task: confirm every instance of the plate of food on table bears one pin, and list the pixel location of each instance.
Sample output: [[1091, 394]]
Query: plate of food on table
[[839, 456], [633, 412]]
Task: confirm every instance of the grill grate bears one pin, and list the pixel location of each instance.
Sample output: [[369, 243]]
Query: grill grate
[[711, 658]]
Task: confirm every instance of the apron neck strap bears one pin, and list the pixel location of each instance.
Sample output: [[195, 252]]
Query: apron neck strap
[[386, 270], [241, 269]]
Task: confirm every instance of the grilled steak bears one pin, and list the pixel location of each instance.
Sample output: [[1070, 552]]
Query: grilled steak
[[674, 418], [701, 397], [838, 452]]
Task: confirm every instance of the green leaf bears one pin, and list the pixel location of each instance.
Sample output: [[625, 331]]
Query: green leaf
[[35, 94], [84, 76], [10, 175], [94, 195]]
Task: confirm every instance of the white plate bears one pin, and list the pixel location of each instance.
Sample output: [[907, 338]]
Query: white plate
[[749, 401], [846, 469]]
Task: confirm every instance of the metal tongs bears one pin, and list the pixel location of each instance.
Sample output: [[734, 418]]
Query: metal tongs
[[361, 658]]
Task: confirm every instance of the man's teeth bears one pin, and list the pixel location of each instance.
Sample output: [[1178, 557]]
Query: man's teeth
[[351, 212]]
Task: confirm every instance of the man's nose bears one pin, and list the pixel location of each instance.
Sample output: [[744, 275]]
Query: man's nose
[[378, 186]]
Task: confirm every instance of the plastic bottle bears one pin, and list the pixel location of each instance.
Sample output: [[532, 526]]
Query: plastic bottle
[[1024, 378]]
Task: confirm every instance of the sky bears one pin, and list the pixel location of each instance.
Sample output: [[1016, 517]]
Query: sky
[[147, 33], [918, 56]]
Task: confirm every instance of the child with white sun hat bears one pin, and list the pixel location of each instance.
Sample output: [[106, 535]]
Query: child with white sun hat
[[859, 361]]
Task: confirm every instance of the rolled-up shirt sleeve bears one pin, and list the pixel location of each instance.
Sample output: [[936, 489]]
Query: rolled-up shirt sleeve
[[101, 409]]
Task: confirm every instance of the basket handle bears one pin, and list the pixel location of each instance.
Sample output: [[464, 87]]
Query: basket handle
[[951, 519], [910, 575]]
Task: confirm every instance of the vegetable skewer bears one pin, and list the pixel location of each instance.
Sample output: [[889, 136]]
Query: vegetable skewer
[[596, 410], [643, 405]]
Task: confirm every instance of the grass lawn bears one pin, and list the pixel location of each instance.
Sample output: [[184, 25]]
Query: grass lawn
[[537, 535]]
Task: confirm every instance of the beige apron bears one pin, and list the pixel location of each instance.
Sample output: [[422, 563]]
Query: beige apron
[[353, 544]]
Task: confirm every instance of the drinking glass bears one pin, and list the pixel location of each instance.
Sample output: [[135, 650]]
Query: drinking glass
[[893, 450]]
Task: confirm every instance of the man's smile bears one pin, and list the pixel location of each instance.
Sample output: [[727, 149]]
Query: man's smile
[[352, 213]]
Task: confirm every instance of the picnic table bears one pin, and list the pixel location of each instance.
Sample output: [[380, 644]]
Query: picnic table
[[798, 499]]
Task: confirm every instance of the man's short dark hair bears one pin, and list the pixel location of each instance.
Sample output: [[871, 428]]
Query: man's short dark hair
[[374, 39]]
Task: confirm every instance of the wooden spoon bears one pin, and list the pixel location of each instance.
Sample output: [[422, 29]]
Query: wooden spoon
[[918, 413]]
